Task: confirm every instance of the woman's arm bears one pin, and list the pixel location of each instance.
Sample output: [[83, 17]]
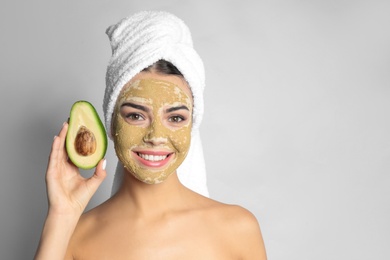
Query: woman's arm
[[55, 237], [68, 194]]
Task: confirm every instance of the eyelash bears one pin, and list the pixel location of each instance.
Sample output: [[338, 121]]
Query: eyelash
[[176, 119], [135, 117]]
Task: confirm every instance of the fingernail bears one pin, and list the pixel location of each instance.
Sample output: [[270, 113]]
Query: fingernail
[[54, 137], [104, 164]]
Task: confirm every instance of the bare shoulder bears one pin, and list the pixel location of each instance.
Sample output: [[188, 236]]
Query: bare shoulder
[[240, 228], [236, 216]]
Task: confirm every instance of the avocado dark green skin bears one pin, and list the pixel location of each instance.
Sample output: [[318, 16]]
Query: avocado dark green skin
[[84, 114]]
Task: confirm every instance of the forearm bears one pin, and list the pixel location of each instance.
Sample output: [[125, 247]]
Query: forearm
[[55, 237]]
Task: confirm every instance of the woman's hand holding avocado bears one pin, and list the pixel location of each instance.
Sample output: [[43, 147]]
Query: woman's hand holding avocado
[[68, 191]]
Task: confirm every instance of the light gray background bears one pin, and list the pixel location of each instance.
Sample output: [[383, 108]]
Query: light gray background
[[297, 113]]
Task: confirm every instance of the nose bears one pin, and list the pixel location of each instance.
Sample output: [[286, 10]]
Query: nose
[[155, 135]]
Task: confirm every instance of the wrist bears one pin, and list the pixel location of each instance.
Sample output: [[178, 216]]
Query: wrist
[[64, 223], [67, 213]]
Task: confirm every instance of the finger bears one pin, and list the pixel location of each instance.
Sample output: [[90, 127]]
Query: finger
[[97, 178], [53, 157], [56, 153], [62, 155]]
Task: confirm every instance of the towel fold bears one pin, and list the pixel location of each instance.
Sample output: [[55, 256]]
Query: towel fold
[[139, 41]]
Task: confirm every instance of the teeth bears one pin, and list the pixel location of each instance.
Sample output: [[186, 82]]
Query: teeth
[[153, 158]]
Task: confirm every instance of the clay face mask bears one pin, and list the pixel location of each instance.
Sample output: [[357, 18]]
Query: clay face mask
[[152, 128]]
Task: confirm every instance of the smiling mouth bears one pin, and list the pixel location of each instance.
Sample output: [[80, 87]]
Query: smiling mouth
[[152, 158]]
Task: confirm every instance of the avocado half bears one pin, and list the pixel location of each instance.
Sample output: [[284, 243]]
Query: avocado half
[[86, 140]]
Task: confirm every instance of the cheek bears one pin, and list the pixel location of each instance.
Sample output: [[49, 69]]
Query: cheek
[[126, 135], [181, 139]]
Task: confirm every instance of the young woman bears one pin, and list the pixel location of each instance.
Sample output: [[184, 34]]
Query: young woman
[[152, 120]]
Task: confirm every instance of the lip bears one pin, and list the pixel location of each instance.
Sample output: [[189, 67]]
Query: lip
[[153, 164]]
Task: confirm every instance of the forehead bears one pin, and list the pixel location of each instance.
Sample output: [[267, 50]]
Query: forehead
[[149, 88], [174, 79]]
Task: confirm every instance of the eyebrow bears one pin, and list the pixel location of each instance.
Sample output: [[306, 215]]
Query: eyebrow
[[140, 107], [169, 110]]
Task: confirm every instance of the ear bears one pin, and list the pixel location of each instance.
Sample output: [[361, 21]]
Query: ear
[[112, 128]]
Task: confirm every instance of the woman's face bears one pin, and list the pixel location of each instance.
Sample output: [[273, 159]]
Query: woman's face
[[152, 125]]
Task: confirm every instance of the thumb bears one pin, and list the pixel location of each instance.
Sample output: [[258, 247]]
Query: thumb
[[97, 178]]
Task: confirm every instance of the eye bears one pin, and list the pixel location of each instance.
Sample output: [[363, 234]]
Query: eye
[[134, 117], [176, 119]]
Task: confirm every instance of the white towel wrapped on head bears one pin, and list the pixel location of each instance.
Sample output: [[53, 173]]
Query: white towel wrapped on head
[[139, 41]]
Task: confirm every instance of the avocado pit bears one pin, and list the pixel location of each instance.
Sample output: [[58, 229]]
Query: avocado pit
[[85, 142]]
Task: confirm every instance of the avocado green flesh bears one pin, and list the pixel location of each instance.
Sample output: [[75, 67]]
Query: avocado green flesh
[[84, 116]]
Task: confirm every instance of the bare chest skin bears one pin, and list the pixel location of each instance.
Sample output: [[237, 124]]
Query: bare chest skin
[[178, 236]]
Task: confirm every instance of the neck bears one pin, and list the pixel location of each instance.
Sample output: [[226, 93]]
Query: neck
[[150, 199]]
